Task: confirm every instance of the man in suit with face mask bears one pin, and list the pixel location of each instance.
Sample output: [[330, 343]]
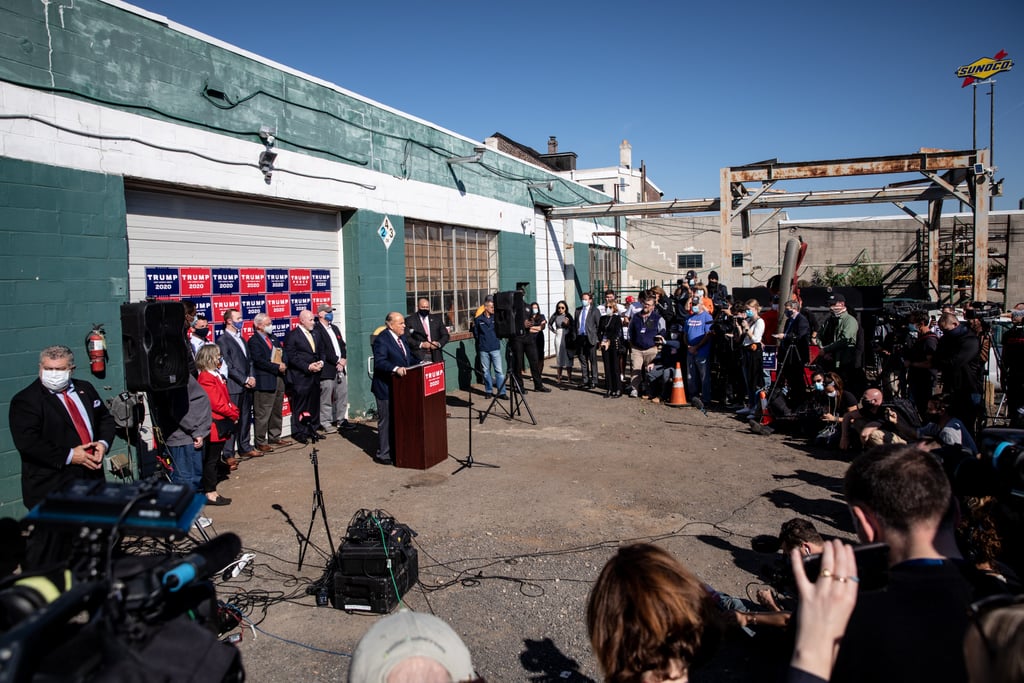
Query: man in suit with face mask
[[61, 429]]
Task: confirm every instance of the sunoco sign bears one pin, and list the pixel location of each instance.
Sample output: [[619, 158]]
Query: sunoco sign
[[984, 68]]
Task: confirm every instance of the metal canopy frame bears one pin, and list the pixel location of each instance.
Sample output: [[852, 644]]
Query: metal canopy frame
[[963, 176]]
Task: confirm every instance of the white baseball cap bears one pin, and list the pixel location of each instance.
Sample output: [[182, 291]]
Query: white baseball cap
[[407, 634]]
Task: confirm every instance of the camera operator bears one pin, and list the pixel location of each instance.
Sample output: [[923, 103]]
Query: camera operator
[[751, 329], [725, 359], [956, 357], [794, 350], [890, 345], [660, 371], [921, 376]]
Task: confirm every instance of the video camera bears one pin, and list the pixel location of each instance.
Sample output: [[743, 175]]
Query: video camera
[[999, 472], [147, 617]]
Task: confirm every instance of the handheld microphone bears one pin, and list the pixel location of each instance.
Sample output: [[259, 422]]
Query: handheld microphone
[[202, 563]]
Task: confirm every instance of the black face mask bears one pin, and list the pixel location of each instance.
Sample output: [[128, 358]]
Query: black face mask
[[424, 312], [203, 333]]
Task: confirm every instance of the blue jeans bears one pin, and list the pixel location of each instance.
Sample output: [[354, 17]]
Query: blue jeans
[[488, 360], [188, 465], [698, 373]]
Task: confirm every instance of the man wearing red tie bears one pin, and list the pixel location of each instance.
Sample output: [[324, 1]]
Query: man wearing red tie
[[61, 429], [391, 356]]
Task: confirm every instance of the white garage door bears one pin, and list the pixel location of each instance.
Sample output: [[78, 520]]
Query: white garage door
[[179, 230], [550, 288]]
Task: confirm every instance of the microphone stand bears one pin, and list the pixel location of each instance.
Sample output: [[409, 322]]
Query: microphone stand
[[318, 504], [468, 462]]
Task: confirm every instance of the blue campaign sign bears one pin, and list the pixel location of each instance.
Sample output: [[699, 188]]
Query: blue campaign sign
[[771, 357], [277, 280], [163, 282], [281, 326], [253, 305], [321, 280], [300, 302], [225, 281], [204, 306]]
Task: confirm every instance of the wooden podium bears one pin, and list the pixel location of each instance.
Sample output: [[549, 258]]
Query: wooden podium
[[419, 417]]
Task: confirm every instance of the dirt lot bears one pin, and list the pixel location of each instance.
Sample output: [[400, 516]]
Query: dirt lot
[[507, 555]]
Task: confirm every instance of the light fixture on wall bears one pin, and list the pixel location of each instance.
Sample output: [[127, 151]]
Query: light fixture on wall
[[543, 185], [478, 154], [269, 155]]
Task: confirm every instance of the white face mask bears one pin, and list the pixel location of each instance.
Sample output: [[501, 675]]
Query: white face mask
[[55, 380]]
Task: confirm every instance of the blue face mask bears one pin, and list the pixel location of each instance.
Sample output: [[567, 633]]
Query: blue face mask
[[329, 317], [750, 314], [238, 325], [819, 386]]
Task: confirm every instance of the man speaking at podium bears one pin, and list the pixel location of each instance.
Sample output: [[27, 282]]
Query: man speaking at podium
[[391, 356]]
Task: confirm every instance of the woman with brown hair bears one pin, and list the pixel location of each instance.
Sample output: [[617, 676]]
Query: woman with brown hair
[[224, 414], [649, 618]]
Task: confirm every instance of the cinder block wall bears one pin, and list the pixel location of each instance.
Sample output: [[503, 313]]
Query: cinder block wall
[[64, 259]]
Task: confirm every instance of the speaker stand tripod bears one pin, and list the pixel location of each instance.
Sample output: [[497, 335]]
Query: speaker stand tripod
[[516, 400], [318, 504], [468, 462]]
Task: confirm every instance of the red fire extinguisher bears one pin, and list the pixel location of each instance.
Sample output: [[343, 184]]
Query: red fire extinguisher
[[96, 345]]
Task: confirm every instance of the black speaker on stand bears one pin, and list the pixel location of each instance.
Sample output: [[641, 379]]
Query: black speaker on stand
[[509, 314], [156, 355]]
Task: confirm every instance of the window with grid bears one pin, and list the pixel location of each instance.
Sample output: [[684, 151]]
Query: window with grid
[[737, 259], [689, 261], [604, 267], [455, 268]]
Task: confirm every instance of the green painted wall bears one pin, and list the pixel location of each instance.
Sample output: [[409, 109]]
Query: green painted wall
[[517, 262], [111, 56], [64, 259], [374, 286], [581, 257]]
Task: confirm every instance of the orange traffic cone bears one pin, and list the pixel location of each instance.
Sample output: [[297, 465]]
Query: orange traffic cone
[[766, 418], [678, 397]]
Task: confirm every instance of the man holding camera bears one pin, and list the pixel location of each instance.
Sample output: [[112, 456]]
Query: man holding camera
[[643, 329]]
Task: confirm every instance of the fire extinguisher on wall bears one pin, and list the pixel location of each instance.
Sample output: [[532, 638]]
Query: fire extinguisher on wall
[[96, 346]]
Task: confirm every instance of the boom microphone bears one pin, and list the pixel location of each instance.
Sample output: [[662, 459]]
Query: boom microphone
[[202, 563]]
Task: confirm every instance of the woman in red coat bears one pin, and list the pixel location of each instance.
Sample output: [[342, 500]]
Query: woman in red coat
[[225, 414]]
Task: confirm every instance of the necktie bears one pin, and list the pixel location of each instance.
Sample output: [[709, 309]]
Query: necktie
[[401, 346], [583, 320], [426, 327], [76, 417], [270, 344]]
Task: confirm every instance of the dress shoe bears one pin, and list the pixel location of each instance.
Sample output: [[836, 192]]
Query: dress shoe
[[542, 389], [253, 453], [616, 394], [301, 439], [346, 426], [219, 500], [383, 461], [281, 442], [232, 463], [265, 448]]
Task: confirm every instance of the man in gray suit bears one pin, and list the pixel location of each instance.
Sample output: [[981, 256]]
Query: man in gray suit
[[235, 353], [586, 340]]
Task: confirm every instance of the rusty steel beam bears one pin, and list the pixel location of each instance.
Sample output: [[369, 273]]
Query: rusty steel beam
[[767, 201], [907, 163]]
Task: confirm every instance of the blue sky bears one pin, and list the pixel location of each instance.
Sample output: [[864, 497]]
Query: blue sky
[[693, 86]]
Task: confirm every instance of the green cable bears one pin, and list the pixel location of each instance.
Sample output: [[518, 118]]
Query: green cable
[[391, 573]]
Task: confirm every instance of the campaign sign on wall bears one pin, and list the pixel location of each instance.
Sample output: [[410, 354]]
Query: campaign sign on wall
[[195, 282], [225, 281], [279, 305], [298, 279], [320, 280], [204, 306], [319, 298], [281, 326], [223, 303], [277, 280], [252, 305], [300, 302], [162, 282], [281, 292], [252, 280]]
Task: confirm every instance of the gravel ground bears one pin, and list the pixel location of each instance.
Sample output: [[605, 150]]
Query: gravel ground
[[507, 555]]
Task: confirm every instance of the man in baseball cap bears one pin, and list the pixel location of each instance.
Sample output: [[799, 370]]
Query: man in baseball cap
[[411, 646]]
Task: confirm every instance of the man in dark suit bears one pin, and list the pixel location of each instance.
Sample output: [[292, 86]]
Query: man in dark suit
[[268, 393], [427, 332], [794, 350], [391, 356], [334, 376], [61, 429], [235, 353], [302, 378], [586, 340]]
